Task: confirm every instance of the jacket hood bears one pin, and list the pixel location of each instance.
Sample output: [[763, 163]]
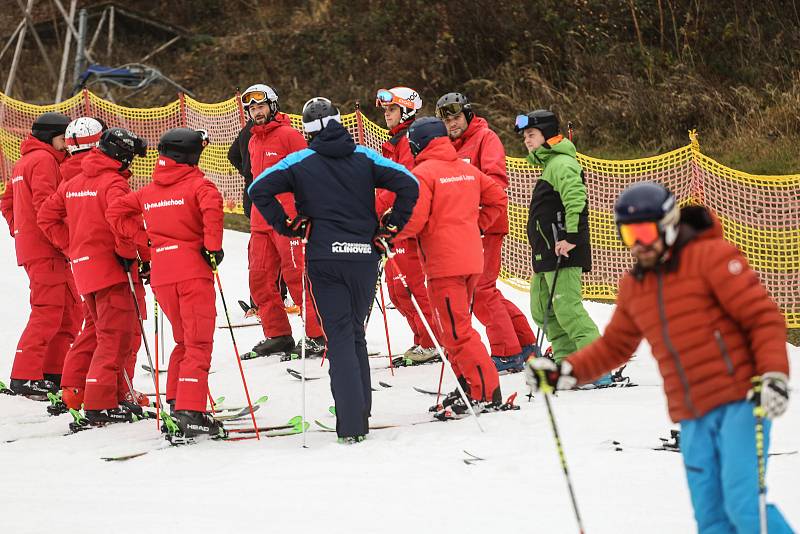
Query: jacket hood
[[280, 119], [169, 172], [439, 149], [333, 141], [96, 163], [542, 155], [31, 144]]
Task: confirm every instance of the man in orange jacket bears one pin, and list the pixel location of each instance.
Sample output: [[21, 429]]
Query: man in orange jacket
[[719, 341], [456, 202]]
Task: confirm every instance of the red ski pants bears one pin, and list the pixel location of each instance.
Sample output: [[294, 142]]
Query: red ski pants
[[190, 306], [269, 255], [79, 357], [406, 260], [506, 326], [53, 323], [451, 297], [116, 324]]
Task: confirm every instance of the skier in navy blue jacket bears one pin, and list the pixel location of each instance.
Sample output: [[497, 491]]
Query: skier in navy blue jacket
[[334, 183]]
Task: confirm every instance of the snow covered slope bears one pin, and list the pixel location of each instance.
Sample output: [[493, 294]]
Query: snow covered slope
[[407, 479]]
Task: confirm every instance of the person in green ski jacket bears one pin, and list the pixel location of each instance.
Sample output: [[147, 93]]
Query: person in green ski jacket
[[558, 226]]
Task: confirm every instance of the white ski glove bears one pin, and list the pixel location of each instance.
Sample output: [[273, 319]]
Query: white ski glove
[[556, 376], [772, 394]]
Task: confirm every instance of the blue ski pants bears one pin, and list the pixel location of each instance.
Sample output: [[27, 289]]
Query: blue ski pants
[[343, 291], [719, 454]]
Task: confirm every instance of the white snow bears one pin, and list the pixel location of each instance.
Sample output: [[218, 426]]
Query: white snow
[[408, 479]]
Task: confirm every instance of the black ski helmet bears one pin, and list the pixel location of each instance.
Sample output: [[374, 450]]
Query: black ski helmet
[[542, 119], [423, 131], [183, 145], [122, 145], [49, 125], [649, 202], [453, 104], [317, 113]]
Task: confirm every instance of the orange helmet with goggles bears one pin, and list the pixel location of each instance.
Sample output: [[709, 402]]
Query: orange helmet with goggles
[[645, 212], [405, 97]]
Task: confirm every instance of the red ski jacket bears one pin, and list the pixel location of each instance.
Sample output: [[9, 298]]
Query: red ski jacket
[[708, 319], [455, 201], [397, 150], [182, 212], [71, 167], [74, 219], [34, 177], [480, 146], [270, 143]]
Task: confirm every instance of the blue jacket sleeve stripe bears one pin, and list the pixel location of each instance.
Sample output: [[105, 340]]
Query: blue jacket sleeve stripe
[[377, 159], [292, 159]]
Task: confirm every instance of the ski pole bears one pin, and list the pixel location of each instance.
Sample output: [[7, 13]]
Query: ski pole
[[372, 303], [402, 277], [235, 348], [304, 311], [146, 346], [546, 390], [758, 412], [386, 326], [155, 325]]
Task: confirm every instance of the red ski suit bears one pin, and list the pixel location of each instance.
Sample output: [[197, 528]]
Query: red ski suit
[[271, 254], [406, 259], [55, 306], [455, 201], [74, 219], [183, 213], [506, 326]]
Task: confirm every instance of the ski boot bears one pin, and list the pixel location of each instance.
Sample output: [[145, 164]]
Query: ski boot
[[351, 440], [126, 412], [515, 363], [79, 421], [57, 405], [33, 389], [497, 404], [315, 347], [673, 443], [458, 409], [270, 346], [451, 397], [192, 424], [417, 355]]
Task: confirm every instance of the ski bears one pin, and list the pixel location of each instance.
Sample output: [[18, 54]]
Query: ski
[[472, 458], [299, 376], [427, 391], [151, 370], [236, 414], [237, 325], [220, 407], [402, 361]]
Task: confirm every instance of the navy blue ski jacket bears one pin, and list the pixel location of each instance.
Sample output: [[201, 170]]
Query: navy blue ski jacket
[[334, 182]]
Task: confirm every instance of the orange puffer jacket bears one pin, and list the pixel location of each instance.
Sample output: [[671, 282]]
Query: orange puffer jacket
[[708, 319]]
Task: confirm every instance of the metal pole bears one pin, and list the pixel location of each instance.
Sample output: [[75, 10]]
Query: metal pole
[[36, 38], [17, 53], [80, 47], [110, 44], [65, 55]]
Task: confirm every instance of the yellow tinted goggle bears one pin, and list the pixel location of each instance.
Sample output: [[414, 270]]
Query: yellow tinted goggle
[[645, 233], [254, 97]]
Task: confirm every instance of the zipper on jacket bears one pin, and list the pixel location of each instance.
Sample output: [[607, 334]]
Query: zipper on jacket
[[724, 350], [668, 343], [539, 229]]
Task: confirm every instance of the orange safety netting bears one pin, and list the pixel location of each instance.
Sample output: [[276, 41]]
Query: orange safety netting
[[760, 214]]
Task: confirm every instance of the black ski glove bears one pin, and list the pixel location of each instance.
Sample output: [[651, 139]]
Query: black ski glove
[[144, 272], [213, 257], [126, 263], [300, 227]]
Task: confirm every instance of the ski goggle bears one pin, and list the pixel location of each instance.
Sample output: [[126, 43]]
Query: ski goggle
[[204, 136], [449, 110], [254, 97], [645, 233], [521, 123], [384, 97]]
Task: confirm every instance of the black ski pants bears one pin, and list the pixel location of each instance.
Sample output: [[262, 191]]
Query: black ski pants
[[343, 291]]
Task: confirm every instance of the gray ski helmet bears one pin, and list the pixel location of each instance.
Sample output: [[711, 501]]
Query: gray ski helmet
[[542, 119], [453, 104], [423, 131], [183, 145], [317, 113], [122, 145], [649, 202], [49, 125]]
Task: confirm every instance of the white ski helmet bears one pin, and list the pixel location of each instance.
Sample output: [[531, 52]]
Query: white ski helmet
[[260, 94], [405, 97], [82, 134]]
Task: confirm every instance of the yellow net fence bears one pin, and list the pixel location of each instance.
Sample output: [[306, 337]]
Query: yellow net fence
[[760, 214]]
